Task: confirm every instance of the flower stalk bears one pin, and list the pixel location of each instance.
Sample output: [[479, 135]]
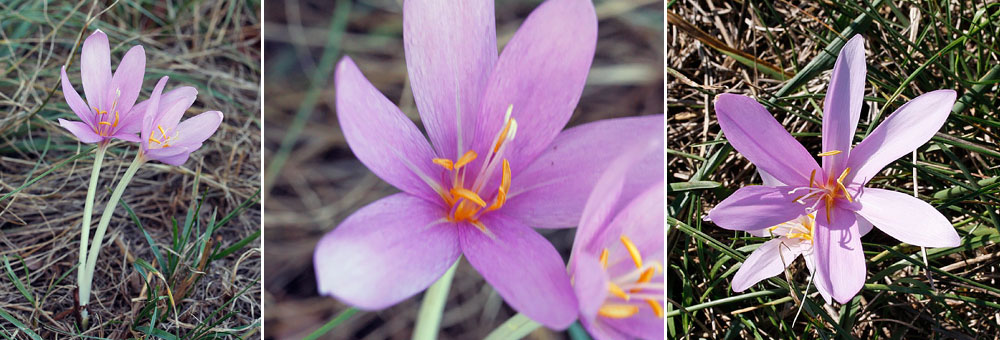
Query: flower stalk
[[429, 318], [88, 210]]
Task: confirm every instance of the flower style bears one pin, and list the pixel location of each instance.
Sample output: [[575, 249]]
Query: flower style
[[496, 166], [108, 112], [617, 261], [835, 192], [163, 136]]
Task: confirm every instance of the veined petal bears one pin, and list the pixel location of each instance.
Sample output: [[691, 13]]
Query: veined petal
[[173, 155], [762, 140], [590, 282], [912, 125], [168, 113], [451, 48], [840, 259], [74, 101], [197, 129], [386, 252], [127, 81], [552, 191], [541, 73], [150, 113], [907, 219], [81, 130], [382, 137], [842, 105], [768, 179], [768, 260], [523, 267], [756, 207], [95, 68]]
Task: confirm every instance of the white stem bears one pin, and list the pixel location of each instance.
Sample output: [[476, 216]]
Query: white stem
[[88, 211], [102, 227]]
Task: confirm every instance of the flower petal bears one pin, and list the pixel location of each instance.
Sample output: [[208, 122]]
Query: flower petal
[[762, 140], [127, 80], [385, 252], [816, 276], [95, 68], [768, 179], [756, 207], [150, 113], [912, 125], [81, 130], [768, 260], [643, 325], [381, 136], [840, 259], [907, 219], [541, 72], [450, 47], [197, 129], [842, 105], [523, 267], [173, 155], [552, 191], [74, 101], [590, 282], [168, 113]]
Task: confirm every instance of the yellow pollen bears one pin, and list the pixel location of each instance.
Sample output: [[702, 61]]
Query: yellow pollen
[[99, 111], [444, 162], [812, 177], [617, 291], [467, 158], [469, 195], [506, 129], [829, 153], [504, 187], [657, 309], [840, 184], [616, 311], [632, 251], [103, 123], [164, 134], [604, 258]]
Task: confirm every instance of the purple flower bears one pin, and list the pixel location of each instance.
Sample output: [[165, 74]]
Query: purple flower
[[496, 166], [164, 137], [617, 261], [795, 185], [108, 111]]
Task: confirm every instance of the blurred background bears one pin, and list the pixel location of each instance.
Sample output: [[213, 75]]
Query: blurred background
[[213, 272], [313, 181]]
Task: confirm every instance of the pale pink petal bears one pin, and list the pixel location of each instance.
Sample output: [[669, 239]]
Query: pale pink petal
[[768, 260], [385, 252], [173, 155], [644, 325], [197, 129], [863, 225], [912, 125], [840, 259], [769, 180], [523, 267], [76, 103], [172, 106], [95, 68], [81, 130], [907, 219], [842, 105], [754, 132], [600, 330], [756, 207], [127, 81], [382, 137], [541, 72], [551, 192], [149, 115], [127, 136], [816, 276], [450, 49], [590, 282]]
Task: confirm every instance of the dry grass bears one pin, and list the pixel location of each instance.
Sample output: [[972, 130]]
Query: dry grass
[[211, 46], [322, 183]]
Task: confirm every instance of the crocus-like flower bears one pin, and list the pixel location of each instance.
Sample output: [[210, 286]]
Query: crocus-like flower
[[164, 137], [617, 260], [835, 192], [496, 166], [108, 111]]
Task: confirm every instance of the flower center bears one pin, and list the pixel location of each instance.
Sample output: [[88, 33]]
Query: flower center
[[163, 141], [465, 204], [801, 228], [106, 124], [634, 289], [827, 193]]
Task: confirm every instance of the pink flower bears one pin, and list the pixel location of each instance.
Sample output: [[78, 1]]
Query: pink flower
[[795, 185], [108, 111], [164, 137], [496, 165], [617, 260]]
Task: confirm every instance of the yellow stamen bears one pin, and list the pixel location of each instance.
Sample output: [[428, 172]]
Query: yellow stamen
[[506, 128], [617, 291], [469, 195], [116, 120], [103, 123], [632, 251], [840, 183], [657, 309], [829, 153], [162, 134], [812, 176], [604, 258], [504, 187], [646, 276], [615, 311], [444, 162], [468, 157]]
